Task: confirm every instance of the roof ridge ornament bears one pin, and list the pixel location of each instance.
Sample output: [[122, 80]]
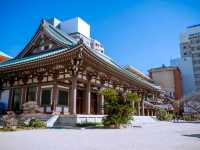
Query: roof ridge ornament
[[80, 41]]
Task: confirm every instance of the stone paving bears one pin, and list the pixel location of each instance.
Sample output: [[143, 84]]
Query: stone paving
[[156, 136]]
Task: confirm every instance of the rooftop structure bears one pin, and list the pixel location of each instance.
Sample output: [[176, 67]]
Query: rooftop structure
[[78, 29]]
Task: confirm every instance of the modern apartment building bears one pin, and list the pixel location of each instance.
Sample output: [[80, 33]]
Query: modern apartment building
[[187, 74], [190, 47]]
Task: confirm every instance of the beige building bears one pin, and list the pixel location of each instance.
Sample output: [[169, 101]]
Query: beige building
[[169, 78]]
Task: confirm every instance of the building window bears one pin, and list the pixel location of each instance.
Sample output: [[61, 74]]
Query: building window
[[31, 94], [16, 99], [63, 98], [46, 97]]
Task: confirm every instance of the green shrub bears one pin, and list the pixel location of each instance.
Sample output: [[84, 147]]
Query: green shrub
[[7, 129], [119, 108], [36, 123], [187, 118], [191, 117], [163, 115]]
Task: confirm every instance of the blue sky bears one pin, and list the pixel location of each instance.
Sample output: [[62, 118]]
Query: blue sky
[[141, 33]]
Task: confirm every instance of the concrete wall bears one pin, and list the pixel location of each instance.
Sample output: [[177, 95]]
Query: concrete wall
[[166, 80]]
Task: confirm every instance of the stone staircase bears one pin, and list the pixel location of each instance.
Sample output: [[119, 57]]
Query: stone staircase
[[51, 121], [65, 121]]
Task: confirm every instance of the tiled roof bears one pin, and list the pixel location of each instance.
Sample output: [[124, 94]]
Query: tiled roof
[[30, 58], [58, 34], [133, 76]]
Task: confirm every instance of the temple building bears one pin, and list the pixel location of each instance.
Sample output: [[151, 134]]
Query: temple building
[[63, 69]]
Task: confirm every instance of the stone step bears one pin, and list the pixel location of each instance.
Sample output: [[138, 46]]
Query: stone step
[[65, 121], [52, 120], [141, 120]]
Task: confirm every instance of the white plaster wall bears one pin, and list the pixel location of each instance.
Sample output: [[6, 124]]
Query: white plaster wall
[[83, 27], [76, 25], [89, 118]]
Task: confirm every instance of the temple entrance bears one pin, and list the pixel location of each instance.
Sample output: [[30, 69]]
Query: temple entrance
[[94, 103], [4, 97], [63, 101], [16, 100], [80, 102]]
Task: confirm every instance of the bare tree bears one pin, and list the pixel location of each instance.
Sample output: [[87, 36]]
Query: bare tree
[[192, 101]]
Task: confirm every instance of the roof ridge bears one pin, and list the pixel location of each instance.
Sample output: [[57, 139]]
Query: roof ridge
[[63, 34]]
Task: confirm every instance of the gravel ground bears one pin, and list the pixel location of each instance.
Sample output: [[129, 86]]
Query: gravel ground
[[157, 136]]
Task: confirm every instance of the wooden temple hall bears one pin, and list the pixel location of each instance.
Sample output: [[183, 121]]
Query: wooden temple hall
[[63, 69]]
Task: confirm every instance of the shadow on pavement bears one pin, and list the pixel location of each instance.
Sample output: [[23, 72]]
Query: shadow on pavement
[[193, 135]]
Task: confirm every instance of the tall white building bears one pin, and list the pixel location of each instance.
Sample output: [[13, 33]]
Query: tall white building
[[78, 29], [189, 63], [186, 67], [190, 47]]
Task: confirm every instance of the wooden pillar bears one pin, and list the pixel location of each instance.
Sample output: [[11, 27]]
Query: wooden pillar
[[88, 97], [142, 105], [38, 94], [54, 97], [39, 78], [101, 104], [73, 95], [101, 99], [10, 100], [23, 98], [148, 114], [151, 112], [138, 108]]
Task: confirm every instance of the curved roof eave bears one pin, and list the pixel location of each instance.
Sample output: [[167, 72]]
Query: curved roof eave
[[107, 60]]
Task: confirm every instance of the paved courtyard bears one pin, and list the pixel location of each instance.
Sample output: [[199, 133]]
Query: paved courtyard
[[157, 136]]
